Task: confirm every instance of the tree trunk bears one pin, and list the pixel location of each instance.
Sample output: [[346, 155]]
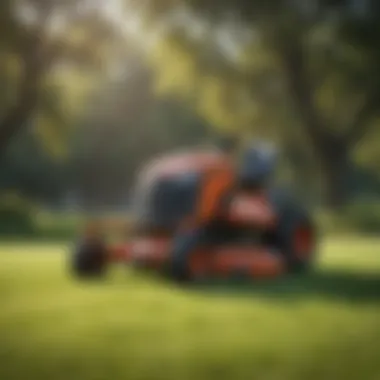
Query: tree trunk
[[334, 165], [19, 114], [14, 121], [16, 117], [331, 149]]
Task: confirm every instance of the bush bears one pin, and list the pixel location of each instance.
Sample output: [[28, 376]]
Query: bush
[[16, 215], [363, 216], [329, 224], [56, 225]]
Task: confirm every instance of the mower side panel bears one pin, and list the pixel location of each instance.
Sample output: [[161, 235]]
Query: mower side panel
[[255, 262], [235, 260], [249, 261], [151, 252], [120, 253]]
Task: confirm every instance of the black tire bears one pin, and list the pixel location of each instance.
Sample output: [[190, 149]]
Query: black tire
[[292, 220], [89, 259], [179, 273], [179, 268]]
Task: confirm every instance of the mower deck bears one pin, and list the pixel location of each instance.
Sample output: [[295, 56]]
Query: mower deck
[[219, 261]]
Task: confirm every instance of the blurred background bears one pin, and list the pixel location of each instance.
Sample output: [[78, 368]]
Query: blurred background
[[91, 90]]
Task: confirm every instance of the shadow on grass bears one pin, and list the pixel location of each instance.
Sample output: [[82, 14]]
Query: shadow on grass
[[338, 285]]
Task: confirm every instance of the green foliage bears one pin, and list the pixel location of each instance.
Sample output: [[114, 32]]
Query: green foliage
[[64, 99], [40, 41], [304, 78], [367, 152], [57, 226], [363, 216], [125, 126], [29, 169], [16, 215]]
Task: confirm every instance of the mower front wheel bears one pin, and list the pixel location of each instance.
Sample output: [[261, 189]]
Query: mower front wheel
[[89, 259]]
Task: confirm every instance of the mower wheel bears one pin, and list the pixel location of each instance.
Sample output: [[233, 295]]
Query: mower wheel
[[89, 259], [295, 237]]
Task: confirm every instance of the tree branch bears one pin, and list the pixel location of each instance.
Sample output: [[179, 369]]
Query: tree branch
[[293, 62], [18, 115], [37, 55], [35, 66]]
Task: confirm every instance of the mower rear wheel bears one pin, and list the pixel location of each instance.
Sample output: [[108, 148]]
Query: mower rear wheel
[[295, 238]]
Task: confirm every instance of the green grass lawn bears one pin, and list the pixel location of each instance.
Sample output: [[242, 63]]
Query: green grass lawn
[[324, 326]]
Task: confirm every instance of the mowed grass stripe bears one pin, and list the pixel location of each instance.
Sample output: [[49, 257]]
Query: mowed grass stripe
[[130, 326]]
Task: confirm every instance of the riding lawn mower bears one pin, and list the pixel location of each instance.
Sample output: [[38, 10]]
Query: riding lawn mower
[[199, 215]]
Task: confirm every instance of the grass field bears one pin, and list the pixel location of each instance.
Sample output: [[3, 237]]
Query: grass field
[[324, 326]]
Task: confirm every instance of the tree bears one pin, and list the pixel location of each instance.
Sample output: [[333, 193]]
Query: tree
[[41, 38], [126, 126], [29, 170], [313, 77]]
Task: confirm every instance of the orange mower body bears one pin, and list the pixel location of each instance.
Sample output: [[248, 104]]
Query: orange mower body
[[251, 232]]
